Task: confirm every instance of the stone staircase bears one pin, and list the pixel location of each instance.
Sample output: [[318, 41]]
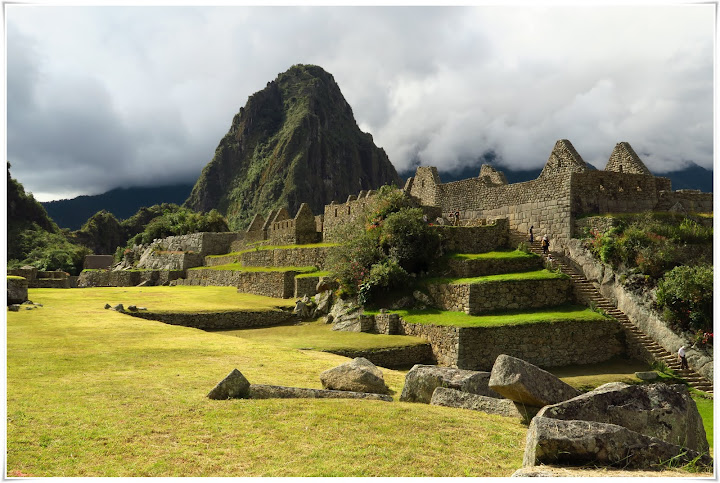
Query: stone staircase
[[587, 293]]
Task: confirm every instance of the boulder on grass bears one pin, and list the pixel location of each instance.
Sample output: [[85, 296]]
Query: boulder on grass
[[528, 384], [264, 391], [358, 375], [233, 386], [573, 442], [421, 381], [666, 412], [453, 398], [17, 290]]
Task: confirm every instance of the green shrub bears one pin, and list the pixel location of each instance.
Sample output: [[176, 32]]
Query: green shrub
[[407, 239], [686, 296]]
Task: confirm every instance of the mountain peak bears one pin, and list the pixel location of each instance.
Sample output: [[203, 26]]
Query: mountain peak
[[294, 141]]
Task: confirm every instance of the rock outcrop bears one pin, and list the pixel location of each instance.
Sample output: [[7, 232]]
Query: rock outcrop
[[453, 398], [666, 412], [17, 290], [525, 383], [573, 442], [358, 375], [421, 381]]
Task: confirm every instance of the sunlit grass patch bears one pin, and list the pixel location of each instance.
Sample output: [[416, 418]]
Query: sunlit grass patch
[[238, 267], [500, 254], [92, 392], [543, 274], [318, 335], [275, 247], [322, 273], [498, 319]]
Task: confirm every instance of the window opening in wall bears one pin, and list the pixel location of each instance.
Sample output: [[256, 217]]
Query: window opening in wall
[[335, 212], [620, 167], [422, 184], [348, 209]]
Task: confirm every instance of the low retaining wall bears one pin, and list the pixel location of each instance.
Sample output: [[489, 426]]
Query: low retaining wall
[[220, 320], [308, 285], [288, 257], [397, 357], [270, 284], [127, 278], [475, 239], [492, 266], [638, 310], [484, 297], [543, 344]]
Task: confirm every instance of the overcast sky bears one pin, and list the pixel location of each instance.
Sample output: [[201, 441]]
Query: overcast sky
[[100, 97]]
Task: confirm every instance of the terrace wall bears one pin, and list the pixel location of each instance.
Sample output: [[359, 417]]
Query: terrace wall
[[220, 320]]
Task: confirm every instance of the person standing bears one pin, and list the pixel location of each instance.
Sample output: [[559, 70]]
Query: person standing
[[457, 218], [532, 238], [683, 359], [545, 243]]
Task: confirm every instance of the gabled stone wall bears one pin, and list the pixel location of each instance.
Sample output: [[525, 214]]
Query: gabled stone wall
[[338, 214]]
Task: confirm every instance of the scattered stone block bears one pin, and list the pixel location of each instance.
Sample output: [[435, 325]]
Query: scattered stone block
[[666, 412], [132, 308], [17, 290], [358, 375], [233, 386], [323, 301], [453, 398], [647, 375], [422, 380], [528, 384], [119, 308], [263, 391], [107, 306], [573, 442], [14, 308]]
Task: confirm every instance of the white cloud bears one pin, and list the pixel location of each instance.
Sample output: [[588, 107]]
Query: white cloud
[[106, 96]]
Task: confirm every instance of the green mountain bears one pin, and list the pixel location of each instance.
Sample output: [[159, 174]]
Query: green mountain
[[294, 141]]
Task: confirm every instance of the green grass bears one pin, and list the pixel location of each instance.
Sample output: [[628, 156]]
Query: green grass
[[705, 407], [238, 267], [497, 319], [314, 274], [176, 299], [504, 255], [543, 274], [318, 335], [92, 392], [15, 277], [275, 247]]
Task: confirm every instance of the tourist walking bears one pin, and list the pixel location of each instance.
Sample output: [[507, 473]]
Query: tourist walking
[[545, 244], [457, 218], [532, 238], [683, 360]]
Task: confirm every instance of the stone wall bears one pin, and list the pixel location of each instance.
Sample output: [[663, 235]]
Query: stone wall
[[270, 284], [127, 278], [490, 266], [612, 192], [169, 260], [551, 344], [543, 344], [338, 214], [98, 262], [290, 257], [202, 243], [638, 310], [220, 320], [393, 358], [691, 201], [474, 239], [485, 297], [308, 285]]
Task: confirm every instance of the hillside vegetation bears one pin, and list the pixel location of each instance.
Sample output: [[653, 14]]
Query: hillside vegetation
[[296, 141]]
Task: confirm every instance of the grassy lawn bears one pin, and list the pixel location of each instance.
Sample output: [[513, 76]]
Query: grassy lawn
[[276, 247], [318, 335], [515, 317], [323, 273], [238, 267], [503, 254], [543, 274], [92, 392], [160, 299]]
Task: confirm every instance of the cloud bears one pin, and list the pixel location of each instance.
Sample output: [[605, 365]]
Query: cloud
[[100, 97]]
